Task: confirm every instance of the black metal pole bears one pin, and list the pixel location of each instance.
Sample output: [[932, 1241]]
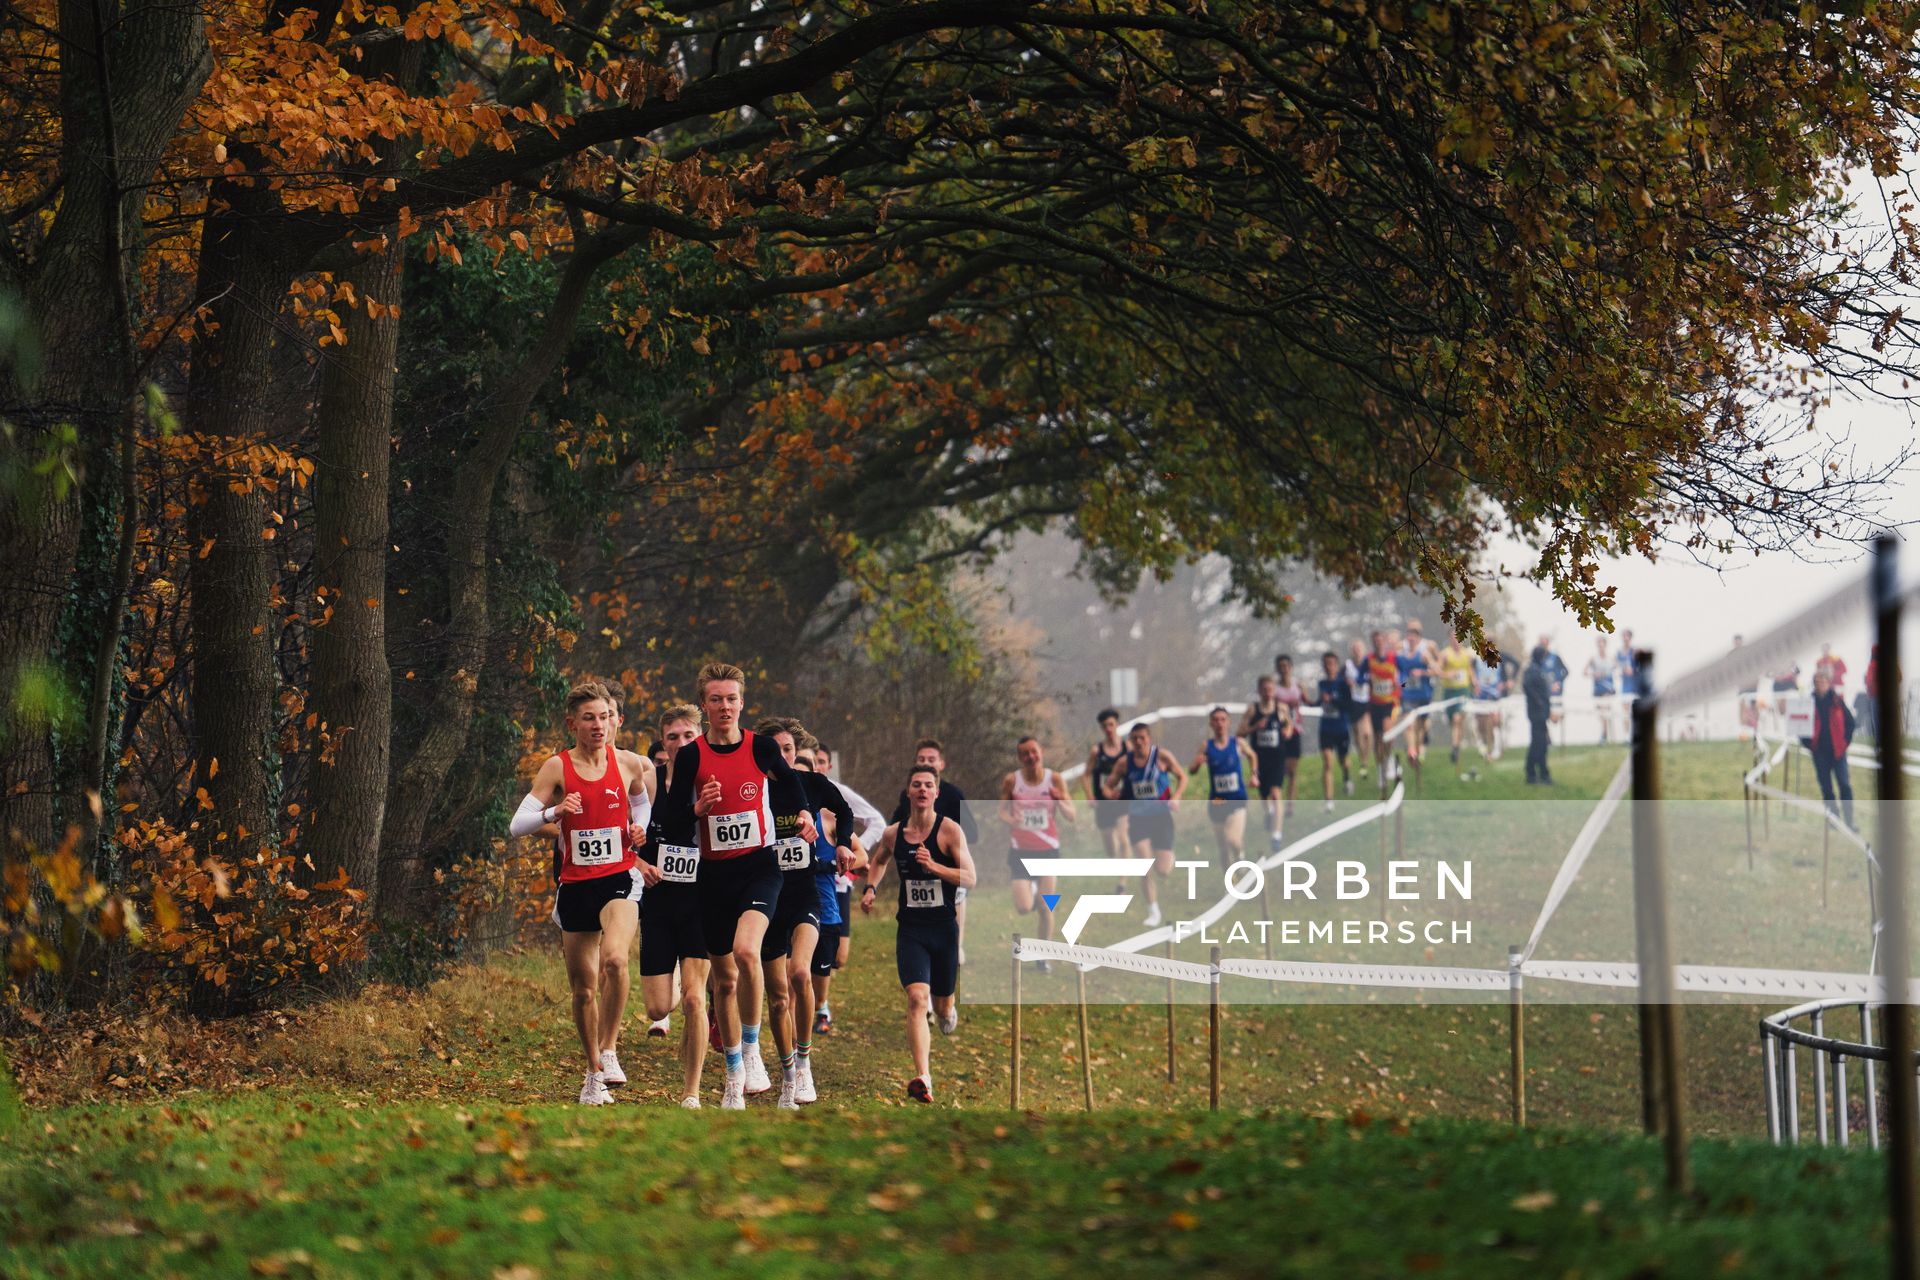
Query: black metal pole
[[1901, 1101], [1661, 1051]]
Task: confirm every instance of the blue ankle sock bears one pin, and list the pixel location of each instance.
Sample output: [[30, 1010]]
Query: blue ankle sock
[[736, 1058], [750, 1033]]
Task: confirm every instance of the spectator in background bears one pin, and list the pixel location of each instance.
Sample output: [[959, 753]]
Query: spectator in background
[[1600, 670], [1538, 685], [1869, 696], [1627, 669], [1835, 665], [1833, 726], [1749, 699], [1555, 668], [1787, 679]]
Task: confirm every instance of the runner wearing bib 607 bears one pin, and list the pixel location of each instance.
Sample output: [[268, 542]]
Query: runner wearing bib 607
[[728, 788], [933, 861], [670, 932], [1233, 773], [600, 797], [1033, 799]]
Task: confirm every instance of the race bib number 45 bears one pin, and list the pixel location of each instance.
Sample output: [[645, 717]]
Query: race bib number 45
[[794, 854], [926, 893], [729, 831], [679, 863], [595, 847]]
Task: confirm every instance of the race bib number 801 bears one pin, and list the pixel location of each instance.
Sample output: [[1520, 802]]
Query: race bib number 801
[[596, 846], [679, 863], [926, 893], [729, 831]]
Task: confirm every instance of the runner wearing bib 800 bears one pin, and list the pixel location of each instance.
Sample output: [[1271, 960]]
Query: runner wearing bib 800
[[1033, 799], [670, 932], [1232, 774], [933, 861], [727, 790], [599, 796]]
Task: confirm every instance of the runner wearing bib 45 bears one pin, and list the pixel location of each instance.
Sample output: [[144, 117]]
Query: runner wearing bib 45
[[933, 861], [600, 797], [728, 789], [1033, 800], [1233, 772]]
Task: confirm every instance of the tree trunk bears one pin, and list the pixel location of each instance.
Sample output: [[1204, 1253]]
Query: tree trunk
[[405, 874], [158, 59], [351, 691], [231, 574]]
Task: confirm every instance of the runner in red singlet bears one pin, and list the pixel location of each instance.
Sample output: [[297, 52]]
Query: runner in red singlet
[[1033, 800]]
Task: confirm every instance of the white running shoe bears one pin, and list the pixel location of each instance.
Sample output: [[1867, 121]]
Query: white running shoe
[[734, 1097], [690, 1103], [1350, 784], [610, 1072], [757, 1081], [593, 1091], [962, 956], [788, 1086], [1153, 915], [951, 1021], [803, 1090], [1329, 807], [659, 1028]]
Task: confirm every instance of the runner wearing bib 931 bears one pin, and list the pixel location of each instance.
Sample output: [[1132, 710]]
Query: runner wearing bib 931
[[599, 796], [729, 788], [933, 861]]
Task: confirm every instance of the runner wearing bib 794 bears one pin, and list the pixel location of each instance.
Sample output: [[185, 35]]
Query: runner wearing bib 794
[[599, 796], [1033, 798]]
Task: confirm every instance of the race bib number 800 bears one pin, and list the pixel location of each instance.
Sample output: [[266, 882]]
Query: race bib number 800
[[728, 831], [597, 846], [794, 853], [926, 893], [679, 863]]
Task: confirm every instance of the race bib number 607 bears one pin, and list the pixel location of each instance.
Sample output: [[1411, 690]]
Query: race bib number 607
[[728, 831]]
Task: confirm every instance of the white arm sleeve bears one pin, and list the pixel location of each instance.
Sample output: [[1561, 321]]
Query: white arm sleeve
[[870, 821], [639, 808], [528, 818]]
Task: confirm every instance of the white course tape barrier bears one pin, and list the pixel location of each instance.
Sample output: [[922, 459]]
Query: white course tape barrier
[[1787, 984], [1576, 857], [1369, 975], [1101, 958], [1817, 808]]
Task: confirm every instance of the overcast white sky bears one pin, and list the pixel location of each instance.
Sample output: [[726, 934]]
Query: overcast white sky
[[1688, 614]]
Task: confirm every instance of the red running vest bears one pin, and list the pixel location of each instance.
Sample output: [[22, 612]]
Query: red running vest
[[593, 842], [743, 820]]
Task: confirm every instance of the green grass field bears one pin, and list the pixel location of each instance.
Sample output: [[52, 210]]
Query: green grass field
[[429, 1133]]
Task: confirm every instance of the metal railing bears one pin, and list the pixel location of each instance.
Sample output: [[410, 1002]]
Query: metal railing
[[1838, 1113]]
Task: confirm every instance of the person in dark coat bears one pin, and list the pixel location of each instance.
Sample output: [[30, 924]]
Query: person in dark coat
[[1833, 726], [1537, 684]]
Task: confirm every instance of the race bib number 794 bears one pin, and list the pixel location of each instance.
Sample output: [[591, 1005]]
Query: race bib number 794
[[1034, 818]]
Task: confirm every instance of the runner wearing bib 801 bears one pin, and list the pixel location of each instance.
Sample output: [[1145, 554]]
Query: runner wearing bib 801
[[1033, 799], [599, 796], [727, 790], [933, 861]]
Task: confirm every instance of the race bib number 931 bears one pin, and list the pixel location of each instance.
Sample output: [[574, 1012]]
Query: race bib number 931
[[596, 847]]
